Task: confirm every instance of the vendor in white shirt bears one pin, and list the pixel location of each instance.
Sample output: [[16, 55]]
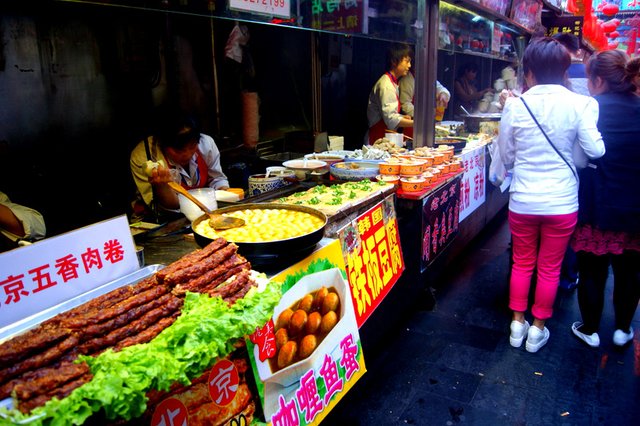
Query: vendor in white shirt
[[384, 109], [18, 223], [179, 152]]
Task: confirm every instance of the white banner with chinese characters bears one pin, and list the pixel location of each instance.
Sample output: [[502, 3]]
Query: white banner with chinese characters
[[309, 355], [472, 187], [56, 269], [280, 8]]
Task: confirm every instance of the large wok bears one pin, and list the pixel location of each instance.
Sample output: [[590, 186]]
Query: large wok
[[270, 252]]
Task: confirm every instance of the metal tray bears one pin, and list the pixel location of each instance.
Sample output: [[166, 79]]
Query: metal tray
[[28, 323]]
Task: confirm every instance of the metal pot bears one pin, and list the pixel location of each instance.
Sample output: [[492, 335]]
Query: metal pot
[[270, 252], [472, 121]]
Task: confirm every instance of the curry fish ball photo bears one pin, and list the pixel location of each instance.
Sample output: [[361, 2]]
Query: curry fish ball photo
[[313, 323], [283, 319], [297, 323], [329, 320], [306, 303], [282, 337], [330, 303], [287, 354], [307, 346], [319, 298]]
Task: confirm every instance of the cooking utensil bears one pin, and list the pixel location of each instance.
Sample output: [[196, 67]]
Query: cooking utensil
[[271, 252], [216, 221], [465, 110]]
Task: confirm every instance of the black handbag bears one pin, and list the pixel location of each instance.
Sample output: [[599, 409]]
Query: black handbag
[[549, 140]]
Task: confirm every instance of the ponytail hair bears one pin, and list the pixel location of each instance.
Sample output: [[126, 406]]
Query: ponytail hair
[[614, 67]]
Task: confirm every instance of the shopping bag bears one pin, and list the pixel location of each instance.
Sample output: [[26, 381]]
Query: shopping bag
[[497, 170]]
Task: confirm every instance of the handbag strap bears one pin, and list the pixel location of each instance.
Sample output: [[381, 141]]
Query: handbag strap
[[549, 140]]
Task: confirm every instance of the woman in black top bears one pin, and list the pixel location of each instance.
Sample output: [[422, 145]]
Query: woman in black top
[[608, 231]]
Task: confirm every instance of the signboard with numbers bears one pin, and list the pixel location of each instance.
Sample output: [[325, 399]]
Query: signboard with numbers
[[269, 7], [373, 256], [309, 355], [42, 275], [472, 186], [439, 220]]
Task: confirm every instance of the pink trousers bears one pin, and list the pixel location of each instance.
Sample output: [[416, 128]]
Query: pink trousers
[[539, 241]]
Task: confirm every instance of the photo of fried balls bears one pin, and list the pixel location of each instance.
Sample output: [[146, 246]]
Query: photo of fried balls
[[301, 327]]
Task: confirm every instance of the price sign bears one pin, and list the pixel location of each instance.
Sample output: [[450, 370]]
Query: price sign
[[373, 257], [268, 7], [472, 187]]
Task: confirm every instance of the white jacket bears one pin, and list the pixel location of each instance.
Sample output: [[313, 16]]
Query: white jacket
[[542, 182]]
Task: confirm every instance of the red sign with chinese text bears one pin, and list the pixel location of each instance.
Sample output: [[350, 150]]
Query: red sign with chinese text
[[170, 412], [223, 382], [373, 257], [344, 16], [440, 213]]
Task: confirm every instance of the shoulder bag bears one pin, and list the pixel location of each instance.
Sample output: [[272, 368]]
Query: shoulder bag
[[549, 140]]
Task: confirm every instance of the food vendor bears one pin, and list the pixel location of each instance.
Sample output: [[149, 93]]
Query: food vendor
[[18, 223], [407, 90], [466, 93], [384, 110], [178, 152]]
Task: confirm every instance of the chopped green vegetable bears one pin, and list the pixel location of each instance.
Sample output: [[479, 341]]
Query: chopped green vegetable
[[314, 200], [335, 201], [352, 195]]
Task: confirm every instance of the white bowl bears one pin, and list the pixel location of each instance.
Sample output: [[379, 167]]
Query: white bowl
[[302, 167], [330, 344], [206, 195]]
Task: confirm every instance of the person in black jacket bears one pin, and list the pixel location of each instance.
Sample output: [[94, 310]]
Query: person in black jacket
[[608, 231]]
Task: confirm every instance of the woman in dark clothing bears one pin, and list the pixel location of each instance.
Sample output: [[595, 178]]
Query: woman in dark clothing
[[608, 231]]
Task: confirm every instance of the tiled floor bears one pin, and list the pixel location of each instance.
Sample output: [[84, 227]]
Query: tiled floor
[[454, 365]]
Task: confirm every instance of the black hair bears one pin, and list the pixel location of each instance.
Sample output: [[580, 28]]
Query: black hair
[[547, 60], [469, 66], [570, 41], [396, 53], [614, 67], [176, 128]]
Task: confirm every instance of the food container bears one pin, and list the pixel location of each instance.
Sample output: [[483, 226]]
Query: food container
[[270, 252], [355, 170], [327, 158], [436, 173], [438, 158], [412, 184], [389, 168], [444, 167], [260, 183], [393, 179], [412, 168], [206, 195], [303, 167]]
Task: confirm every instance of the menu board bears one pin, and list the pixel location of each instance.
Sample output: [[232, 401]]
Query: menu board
[[498, 6], [472, 187], [526, 13]]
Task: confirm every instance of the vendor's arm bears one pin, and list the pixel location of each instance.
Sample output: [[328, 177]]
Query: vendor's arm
[[442, 94], [20, 221], [217, 179], [407, 87], [392, 118], [150, 181]]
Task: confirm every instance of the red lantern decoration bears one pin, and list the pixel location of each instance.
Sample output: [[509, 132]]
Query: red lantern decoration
[[610, 9], [608, 26], [612, 46], [631, 42], [614, 34]]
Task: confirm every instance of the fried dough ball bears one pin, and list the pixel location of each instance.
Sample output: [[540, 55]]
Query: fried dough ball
[[287, 354], [306, 303], [319, 298], [330, 303], [307, 345], [329, 320], [313, 323], [297, 323], [284, 318], [282, 337]]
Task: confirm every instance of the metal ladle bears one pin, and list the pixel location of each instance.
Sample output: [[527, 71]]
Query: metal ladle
[[216, 221]]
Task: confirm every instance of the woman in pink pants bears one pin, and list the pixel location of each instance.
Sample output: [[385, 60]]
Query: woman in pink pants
[[538, 135]]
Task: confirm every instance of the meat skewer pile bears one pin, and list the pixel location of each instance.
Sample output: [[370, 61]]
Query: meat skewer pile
[[39, 364]]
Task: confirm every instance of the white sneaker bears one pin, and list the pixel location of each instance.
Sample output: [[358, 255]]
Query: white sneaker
[[592, 340], [536, 339], [621, 338], [518, 331]]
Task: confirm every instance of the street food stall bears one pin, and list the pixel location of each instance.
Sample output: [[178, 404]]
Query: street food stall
[[187, 315]]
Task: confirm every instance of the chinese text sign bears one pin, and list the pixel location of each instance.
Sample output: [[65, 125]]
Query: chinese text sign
[[472, 187]]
